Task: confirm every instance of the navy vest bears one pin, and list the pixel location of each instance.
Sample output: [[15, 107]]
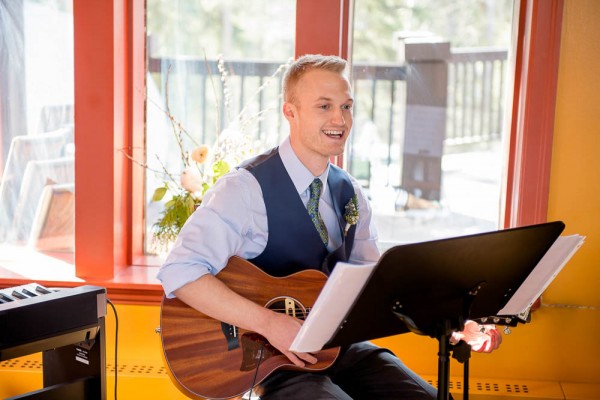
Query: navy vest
[[293, 242]]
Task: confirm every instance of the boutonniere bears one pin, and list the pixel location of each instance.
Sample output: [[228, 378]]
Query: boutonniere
[[351, 213]]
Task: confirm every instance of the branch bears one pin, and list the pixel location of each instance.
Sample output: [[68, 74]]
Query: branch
[[217, 107], [164, 171], [175, 123]]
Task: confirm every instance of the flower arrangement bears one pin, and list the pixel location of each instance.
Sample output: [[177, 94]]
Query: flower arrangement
[[201, 165]]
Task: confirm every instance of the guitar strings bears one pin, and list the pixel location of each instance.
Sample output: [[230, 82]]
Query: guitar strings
[[283, 310]]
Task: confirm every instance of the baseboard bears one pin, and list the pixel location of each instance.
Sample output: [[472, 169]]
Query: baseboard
[[494, 389]]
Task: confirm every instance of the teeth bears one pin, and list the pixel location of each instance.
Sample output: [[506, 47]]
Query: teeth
[[333, 133]]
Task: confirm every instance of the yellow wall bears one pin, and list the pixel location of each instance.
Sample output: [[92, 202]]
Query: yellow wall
[[575, 177], [575, 180]]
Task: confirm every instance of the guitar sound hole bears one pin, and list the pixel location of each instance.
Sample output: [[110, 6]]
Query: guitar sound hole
[[289, 306]]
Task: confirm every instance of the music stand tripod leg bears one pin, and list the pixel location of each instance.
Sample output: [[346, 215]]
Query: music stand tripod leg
[[443, 338], [462, 353], [442, 331]]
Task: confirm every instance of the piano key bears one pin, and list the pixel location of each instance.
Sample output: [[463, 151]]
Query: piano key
[[29, 293], [18, 295], [42, 290], [6, 298]]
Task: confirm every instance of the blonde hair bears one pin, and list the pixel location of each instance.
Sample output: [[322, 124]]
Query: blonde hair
[[308, 63]]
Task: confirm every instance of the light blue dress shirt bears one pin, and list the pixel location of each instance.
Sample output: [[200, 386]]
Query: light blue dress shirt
[[232, 221]]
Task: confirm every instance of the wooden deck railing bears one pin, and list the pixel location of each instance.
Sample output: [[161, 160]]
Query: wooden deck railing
[[474, 106]]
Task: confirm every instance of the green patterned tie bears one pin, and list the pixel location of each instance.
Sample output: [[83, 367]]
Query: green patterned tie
[[313, 209]]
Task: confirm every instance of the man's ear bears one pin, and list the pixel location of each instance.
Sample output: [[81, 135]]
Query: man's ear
[[289, 111]]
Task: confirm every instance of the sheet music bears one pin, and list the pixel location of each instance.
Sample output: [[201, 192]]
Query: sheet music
[[543, 274], [339, 293]]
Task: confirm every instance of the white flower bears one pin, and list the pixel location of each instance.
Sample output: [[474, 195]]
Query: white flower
[[191, 180]]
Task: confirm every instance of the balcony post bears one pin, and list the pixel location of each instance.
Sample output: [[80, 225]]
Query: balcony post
[[425, 121]]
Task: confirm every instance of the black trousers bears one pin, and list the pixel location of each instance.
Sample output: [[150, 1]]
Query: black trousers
[[363, 371]]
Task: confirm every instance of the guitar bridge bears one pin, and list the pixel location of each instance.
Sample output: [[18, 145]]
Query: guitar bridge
[[231, 335]]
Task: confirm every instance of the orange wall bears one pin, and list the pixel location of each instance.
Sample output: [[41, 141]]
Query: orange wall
[[562, 343], [575, 179]]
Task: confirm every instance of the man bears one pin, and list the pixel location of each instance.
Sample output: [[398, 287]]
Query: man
[[259, 212]]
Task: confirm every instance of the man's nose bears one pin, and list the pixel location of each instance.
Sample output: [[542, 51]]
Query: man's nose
[[338, 118]]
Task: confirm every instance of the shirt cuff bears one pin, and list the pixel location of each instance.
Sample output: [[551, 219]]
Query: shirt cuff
[[173, 277]]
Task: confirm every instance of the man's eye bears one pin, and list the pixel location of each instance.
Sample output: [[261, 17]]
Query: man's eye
[[324, 106], [347, 107]]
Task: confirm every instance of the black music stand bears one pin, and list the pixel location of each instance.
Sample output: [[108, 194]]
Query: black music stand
[[431, 288]]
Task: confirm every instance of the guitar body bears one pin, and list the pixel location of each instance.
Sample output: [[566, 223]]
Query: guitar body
[[210, 359]]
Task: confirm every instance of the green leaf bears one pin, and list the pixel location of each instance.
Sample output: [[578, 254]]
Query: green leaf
[[159, 193], [220, 168], [191, 205], [171, 203]]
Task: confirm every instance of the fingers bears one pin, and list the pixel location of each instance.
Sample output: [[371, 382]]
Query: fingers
[[300, 359], [281, 333], [495, 339], [310, 358], [482, 338], [489, 340], [295, 359]]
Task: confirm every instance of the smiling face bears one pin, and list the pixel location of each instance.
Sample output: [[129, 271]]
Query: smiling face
[[320, 117]]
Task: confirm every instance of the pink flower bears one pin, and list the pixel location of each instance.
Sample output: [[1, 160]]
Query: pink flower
[[199, 154]]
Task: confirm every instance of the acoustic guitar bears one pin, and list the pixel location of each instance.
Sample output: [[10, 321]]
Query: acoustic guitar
[[210, 359]]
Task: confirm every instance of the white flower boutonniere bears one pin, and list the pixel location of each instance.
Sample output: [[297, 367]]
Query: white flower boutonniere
[[351, 213]]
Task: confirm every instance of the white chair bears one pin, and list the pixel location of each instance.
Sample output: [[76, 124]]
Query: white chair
[[23, 150], [38, 175]]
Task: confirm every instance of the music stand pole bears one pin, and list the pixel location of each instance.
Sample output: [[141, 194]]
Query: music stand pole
[[443, 363]]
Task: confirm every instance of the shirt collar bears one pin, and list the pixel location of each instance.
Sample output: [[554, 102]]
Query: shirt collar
[[301, 176]]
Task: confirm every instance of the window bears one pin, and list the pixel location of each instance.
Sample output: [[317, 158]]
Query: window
[[431, 81], [215, 67], [36, 94]]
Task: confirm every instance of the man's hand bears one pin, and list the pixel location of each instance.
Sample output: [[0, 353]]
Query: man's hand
[[279, 329], [482, 338], [280, 332]]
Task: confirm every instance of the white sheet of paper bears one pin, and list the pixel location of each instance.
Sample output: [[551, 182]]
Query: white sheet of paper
[[339, 293], [543, 274]]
